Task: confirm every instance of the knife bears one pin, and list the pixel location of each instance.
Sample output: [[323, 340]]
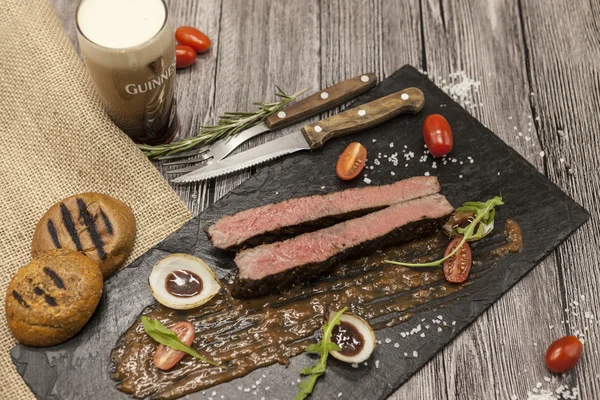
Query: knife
[[310, 106], [313, 136]]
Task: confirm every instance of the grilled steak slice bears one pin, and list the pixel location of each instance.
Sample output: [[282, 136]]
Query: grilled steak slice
[[274, 222], [274, 267]]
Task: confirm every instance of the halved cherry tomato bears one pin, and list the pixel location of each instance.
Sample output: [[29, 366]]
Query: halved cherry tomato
[[185, 56], [351, 161], [437, 135], [165, 357], [563, 354], [192, 37], [457, 267]]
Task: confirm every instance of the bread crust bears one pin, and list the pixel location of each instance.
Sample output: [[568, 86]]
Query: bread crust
[[99, 226], [50, 299]]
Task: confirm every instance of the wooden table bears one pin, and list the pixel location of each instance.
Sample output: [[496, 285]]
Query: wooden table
[[539, 71]]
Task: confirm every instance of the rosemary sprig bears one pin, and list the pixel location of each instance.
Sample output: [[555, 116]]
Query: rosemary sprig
[[484, 213], [229, 124], [322, 348]]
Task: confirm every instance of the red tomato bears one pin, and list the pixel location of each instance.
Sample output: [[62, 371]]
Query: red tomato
[[563, 354], [437, 135], [185, 56], [165, 357], [457, 267], [351, 161], [192, 37]]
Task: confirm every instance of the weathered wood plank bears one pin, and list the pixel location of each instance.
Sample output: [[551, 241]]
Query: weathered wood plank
[[264, 44], [462, 36], [563, 54], [196, 92], [381, 36]]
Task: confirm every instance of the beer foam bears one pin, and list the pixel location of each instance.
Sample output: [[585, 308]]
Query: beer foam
[[120, 24]]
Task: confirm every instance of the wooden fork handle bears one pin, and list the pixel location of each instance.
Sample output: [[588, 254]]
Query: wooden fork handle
[[364, 117], [322, 101]]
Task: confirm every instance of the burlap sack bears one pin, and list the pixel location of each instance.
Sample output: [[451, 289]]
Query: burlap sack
[[55, 141]]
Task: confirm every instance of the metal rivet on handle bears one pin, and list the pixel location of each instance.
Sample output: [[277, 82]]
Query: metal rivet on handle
[[404, 96], [318, 129], [362, 113], [281, 114], [324, 95], [364, 78]]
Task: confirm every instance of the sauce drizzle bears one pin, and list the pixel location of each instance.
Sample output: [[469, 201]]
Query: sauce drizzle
[[348, 338], [244, 335], [183, 283]]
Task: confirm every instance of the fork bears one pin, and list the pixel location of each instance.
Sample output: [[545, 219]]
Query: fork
[[308, 107]]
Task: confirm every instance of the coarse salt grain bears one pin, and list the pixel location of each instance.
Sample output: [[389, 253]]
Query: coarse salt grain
[[367, 181], [415, 354]]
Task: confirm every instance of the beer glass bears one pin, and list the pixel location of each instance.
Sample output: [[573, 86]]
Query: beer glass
[[129, 50]]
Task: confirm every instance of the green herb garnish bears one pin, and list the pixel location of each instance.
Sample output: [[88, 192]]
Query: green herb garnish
[[484, 213], [323, 348], [229, 124], [163, 335]]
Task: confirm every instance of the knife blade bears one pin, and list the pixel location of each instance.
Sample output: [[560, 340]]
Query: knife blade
[[308, 107], [313, 136]]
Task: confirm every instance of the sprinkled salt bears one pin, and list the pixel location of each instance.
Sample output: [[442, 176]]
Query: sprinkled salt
[[396, 345], [376, 363], [354, 365], [415, 354], [388, 340], [426, 174], [542, 153], [392, 144], [368, 181]]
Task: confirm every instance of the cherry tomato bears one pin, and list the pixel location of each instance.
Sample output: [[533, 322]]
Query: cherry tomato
[[351, 161], [185, 56], [437, 135], [457, 267], [563, 354], [165, 357], [192, 37]]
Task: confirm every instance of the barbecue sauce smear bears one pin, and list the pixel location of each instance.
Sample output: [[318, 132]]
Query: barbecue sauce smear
[[243, 335]]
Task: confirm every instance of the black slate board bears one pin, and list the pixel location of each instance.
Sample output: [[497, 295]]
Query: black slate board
[[80, 368]]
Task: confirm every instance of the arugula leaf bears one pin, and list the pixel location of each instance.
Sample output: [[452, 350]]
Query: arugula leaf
[[323, 348], [484, 213], [163, 335]]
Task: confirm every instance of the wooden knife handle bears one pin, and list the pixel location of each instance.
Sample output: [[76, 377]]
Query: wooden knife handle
[[363, 117], [322, 101]]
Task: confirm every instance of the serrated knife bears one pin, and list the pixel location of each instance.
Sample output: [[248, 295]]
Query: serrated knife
[[313, 136]]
